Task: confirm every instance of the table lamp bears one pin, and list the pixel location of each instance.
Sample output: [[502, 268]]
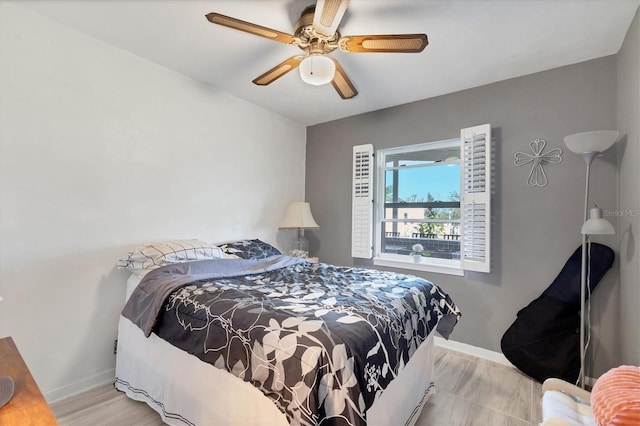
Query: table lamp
[[299, 217]]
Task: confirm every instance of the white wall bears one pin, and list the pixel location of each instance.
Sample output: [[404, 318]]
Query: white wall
[[628, 120], [101, 150]]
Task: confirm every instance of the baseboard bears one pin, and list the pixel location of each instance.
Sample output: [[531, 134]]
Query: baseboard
[[80, 386], [590, 381], [488, 355], [473, 350]]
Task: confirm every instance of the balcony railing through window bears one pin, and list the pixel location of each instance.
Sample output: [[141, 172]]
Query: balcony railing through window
[[435, 225]]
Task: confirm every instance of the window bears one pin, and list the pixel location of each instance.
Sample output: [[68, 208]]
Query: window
[[419, 193], [433, 194]]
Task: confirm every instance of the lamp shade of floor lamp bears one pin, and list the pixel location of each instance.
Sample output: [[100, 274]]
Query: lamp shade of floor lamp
[[589, 145], [298, 216], [596, 225]]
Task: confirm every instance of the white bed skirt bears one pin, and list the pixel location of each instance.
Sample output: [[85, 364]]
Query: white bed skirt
[[187, 391]]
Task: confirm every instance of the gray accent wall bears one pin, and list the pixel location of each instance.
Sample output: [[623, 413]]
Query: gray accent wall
[[628, 115], [535, 229]]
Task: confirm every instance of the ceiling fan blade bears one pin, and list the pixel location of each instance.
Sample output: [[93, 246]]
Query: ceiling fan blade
[[393, 43], [248, 27], [342, 84], [328, 15], [279, 70]]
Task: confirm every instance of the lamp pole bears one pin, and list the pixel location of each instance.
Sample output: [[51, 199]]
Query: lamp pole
[[588, 158]]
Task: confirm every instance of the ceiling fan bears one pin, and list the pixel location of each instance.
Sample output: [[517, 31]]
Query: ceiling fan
[[316, 33]]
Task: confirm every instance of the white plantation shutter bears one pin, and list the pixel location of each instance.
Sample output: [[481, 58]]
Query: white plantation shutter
[[362, 202], [476, 198]]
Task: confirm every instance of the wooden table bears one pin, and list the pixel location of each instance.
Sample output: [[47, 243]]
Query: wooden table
[[28, 406]]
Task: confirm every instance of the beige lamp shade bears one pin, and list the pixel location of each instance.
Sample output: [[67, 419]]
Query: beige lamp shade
[[298, 216]]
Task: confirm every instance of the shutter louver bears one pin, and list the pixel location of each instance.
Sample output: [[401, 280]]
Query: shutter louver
[[362, 202], [476, 198]]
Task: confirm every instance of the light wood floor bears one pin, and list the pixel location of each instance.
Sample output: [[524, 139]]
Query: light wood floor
[[469, 391]]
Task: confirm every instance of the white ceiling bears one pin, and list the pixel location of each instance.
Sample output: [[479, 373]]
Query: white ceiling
[[471, 43]]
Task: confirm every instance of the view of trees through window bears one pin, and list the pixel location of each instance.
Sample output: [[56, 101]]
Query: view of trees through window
[[434, 228], [422, 202]]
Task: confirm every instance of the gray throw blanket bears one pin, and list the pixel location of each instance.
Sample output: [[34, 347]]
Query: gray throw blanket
[[145, 303]]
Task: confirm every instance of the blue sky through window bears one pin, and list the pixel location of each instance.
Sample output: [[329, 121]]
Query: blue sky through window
[[440, 181]]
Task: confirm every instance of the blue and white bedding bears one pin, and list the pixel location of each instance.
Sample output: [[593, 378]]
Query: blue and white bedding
[[321, 341]]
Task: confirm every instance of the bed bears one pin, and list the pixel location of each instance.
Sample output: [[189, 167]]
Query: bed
[[249, 336]]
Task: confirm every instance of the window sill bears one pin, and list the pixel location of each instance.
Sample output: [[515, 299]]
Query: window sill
[[426, 267]]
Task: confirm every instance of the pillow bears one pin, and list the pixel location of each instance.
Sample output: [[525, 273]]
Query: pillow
[[615, 398], [155, 255], [250, 249]]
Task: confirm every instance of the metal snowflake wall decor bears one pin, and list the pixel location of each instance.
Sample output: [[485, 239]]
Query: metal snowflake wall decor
[[537, 177]]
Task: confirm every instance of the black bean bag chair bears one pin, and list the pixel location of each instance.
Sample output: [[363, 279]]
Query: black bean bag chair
[[544, 340]]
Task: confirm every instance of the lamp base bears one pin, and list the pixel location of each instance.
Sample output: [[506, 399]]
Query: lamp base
[[299, 245]]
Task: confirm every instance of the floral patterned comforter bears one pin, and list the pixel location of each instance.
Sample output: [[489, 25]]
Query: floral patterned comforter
[[321, 341]]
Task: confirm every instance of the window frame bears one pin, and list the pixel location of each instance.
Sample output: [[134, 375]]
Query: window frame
[[428, 264], [476, 147]]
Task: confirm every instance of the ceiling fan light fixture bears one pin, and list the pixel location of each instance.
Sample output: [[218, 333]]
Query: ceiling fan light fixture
[[317, 69]]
